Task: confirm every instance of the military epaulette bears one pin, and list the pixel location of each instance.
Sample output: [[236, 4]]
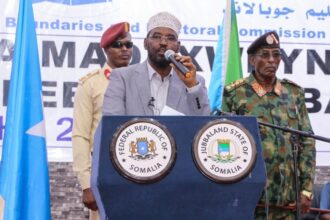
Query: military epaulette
[[235, 84], [87, 76], [290, 82]]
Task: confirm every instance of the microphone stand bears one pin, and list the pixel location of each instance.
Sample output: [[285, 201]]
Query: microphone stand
[[295, 148], [294, 139]]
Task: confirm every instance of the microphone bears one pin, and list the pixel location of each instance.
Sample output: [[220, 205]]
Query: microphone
[[220, 112], [169, 56], [151, 102], [216, 112]]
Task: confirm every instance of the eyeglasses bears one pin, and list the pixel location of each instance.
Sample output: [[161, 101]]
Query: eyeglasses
[[266, 55], [120, 44], [160, 38]]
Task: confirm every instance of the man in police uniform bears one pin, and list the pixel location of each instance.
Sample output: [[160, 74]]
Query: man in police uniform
[[117, 45], [280, 102]]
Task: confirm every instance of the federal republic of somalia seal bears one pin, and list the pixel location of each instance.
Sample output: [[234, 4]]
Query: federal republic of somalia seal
[[224, 151], [143, 150]]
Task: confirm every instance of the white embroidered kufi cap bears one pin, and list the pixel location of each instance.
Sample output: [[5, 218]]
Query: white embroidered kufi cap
[[164, 19]]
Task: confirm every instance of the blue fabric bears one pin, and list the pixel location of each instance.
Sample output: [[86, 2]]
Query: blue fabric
[[227, 65], [325, 197], [24, 178], [217, 81]]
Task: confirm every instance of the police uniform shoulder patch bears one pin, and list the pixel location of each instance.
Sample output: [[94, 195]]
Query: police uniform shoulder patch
[[235, 84], [88, 76], [291, 82]]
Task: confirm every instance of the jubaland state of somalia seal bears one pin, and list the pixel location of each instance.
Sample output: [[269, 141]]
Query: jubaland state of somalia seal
[[143, 150], [224, 151]]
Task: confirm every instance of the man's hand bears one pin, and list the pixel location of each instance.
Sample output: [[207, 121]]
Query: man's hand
[[190, 79], [305, 204], [89, 200]]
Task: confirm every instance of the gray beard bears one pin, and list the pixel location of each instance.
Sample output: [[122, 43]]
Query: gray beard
[[159, 61]]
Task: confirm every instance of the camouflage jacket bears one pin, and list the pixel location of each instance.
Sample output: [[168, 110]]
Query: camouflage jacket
[[284, 106]]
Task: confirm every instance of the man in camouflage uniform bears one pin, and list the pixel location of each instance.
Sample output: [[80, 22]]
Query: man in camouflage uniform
[[279, 102], [117, 45]]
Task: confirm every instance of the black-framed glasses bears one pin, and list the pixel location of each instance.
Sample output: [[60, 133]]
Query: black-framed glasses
[[160, 38], [266, 54], [120, 44]]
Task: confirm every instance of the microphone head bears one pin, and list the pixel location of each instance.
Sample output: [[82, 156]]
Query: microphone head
[[168, 53]]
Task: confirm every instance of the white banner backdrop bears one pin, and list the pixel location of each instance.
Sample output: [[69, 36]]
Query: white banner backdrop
[[69, 32]]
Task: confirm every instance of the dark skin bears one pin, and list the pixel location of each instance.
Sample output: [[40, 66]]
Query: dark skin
[[265, 69], [305, 204], [119, 57], [116, 57], [265, 74], [89, 200], [156, 43]]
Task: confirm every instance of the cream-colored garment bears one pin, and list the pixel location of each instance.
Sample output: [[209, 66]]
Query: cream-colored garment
[[87, 113]]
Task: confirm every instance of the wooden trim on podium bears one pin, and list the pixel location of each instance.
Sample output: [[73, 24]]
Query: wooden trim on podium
[[293, 208]]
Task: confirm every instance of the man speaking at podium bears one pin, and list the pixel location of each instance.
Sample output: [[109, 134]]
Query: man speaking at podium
[[282, 103], [156, 87]]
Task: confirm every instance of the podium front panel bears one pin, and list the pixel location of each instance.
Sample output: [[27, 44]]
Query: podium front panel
[[184, 192]]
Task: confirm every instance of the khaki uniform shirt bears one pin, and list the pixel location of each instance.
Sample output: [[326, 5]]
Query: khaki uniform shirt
[[87, 113], [283, 106]]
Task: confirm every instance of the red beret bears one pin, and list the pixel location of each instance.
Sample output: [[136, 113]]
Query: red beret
[[113, 32]]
